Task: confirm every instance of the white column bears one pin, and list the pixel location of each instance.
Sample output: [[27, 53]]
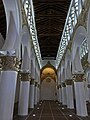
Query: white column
[[0, 76], [89, 92], [24, 94], [69, 94], [64, 99], [7, 87], [57, 90], [31, 94], [88, 86], [81, 108], [38, 93], [60, 94], [86, 90], [35, 94]]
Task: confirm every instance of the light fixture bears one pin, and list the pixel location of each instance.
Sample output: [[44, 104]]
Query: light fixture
[[34, 115]]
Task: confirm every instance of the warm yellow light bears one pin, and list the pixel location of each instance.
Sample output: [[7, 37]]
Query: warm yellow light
[[48, 71]]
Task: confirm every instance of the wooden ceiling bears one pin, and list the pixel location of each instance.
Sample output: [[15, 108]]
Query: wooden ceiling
[[2, 20], [50, 16]]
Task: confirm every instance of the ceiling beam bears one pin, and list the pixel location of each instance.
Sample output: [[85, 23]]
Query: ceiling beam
[[49, 34], [50, 2], [51, 15], [48, 47]]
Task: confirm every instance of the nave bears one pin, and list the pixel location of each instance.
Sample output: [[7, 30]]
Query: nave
[[52, 110], [44, 55]]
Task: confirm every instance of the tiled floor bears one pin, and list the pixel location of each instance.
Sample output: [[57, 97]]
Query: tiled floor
[[50, 110]]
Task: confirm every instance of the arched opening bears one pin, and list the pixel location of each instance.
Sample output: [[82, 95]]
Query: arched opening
[[79, 50], [2, 21], [79, 53], [48, 82]]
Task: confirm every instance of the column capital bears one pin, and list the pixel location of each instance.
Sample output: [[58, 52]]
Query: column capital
[[85, 63], [32, 82], [78, 77], [36, 84], [24, 76], [69, 82], [63, 84], [9, 63], [60, 86]]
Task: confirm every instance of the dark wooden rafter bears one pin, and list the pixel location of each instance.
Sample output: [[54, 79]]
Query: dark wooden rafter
[[47, 34], [50, 16]]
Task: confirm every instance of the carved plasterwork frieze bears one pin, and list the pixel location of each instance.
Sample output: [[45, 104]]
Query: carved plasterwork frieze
[[9, 63]]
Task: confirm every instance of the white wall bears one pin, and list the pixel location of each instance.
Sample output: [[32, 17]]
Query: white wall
[[48, 90]]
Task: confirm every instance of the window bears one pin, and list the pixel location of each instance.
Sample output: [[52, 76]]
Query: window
[[84, 48]]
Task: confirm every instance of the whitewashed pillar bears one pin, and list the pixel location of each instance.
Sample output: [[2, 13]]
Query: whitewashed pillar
[[31, 93], [57, 92], [81, 108], [69, 93], [88, 92], [36, 93], [60, 93], [7, 86], [64, 99], [24, 94]]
